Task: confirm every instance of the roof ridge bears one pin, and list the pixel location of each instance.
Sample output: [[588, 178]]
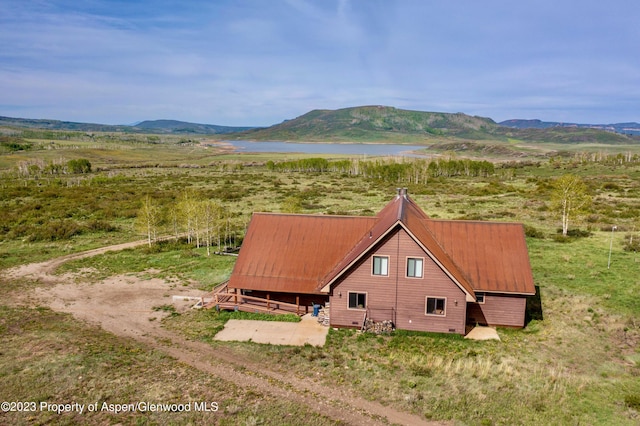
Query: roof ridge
[[313, 215]]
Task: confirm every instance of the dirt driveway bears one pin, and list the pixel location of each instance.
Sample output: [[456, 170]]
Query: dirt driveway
[[123, 305]]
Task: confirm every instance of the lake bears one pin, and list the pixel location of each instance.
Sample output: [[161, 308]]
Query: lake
[[328, 148]]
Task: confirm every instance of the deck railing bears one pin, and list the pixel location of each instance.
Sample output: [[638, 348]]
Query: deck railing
[[247, 303]]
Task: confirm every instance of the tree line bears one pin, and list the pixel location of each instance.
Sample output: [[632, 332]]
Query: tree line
[[204, 222], [394, 169], [39, 167]]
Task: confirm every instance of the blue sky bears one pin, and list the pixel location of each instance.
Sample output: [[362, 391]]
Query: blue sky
[[258, 62]]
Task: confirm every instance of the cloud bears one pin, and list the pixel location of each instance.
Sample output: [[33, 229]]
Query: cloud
[[258, 63]]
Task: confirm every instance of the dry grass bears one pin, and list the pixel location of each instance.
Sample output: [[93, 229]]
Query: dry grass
[[50, 357], [578, 365]]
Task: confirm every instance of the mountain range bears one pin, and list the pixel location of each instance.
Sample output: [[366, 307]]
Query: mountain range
[[148, 126], [372, 123], [623, 128]]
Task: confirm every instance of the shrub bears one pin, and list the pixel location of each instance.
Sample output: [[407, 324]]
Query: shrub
[[632, 401], [96, 225], [576, 233], [610, 186], [533, 232], [56, 230], [81, 165], [632, 243]]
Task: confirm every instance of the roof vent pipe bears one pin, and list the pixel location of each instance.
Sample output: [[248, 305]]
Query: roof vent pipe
[[402, 192]]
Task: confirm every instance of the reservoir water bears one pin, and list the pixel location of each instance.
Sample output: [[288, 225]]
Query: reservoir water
[[328, 148]]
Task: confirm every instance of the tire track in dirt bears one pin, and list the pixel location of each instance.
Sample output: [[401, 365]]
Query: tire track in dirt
[[122, 305]]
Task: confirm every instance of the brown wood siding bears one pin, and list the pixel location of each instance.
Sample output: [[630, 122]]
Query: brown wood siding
[[396, 296], [412, 294], [498, 310], [380, 289]]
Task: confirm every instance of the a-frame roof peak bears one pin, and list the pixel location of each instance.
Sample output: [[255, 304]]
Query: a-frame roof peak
[[402, 208]]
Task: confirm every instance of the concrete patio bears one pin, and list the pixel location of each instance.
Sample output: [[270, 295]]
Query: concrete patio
[[307, 331]]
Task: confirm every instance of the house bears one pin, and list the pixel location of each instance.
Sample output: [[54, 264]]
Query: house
[[422, 274]]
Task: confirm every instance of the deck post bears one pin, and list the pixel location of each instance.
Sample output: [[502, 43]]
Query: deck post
[[297, 305], [235, 297], [268, 301]]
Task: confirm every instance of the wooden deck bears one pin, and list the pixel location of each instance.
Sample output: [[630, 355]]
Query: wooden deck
[[222, 299]]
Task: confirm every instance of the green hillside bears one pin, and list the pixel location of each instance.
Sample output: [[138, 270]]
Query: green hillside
[[388, 124], [567, 135], [373, 123], [177, 127]]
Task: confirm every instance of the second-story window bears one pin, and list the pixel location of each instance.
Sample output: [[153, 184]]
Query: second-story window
[[380, 265], [414, 267]]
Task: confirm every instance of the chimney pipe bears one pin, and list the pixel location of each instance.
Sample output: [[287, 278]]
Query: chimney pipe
[[402, 192]]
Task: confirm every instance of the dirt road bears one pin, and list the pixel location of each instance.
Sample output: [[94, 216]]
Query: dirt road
[[123, 305]]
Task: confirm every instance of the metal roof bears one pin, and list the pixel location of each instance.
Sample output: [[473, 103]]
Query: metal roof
[[292, 252], [492, 255], [307, 253]]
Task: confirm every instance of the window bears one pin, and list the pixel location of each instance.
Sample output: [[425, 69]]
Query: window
[[414, 267], [357, 300], [480, 298], [380, 265], [436, 306]]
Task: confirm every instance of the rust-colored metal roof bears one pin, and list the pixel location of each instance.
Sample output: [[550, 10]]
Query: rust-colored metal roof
[[415, 222], [384, 222], [492, 255], [307, 253], [291, 252]]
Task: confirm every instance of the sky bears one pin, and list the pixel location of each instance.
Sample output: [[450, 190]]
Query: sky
[[258, 62]]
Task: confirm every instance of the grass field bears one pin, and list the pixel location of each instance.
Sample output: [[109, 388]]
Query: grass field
[[578, 364], [51, 358]]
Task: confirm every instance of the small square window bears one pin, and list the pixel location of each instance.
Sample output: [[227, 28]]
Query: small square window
[[480, 298], [414, 267], [357, 300], [380, 265], [436, 306]]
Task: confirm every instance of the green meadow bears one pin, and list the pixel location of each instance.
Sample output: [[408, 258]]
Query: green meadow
[[576, 362]]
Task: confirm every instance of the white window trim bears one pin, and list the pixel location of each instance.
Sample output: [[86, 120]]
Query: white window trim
[[484, 297], [435, 315], [373, 265], [406, 269], [366, 299]]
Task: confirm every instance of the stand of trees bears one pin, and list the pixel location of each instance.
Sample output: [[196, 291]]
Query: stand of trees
[[619, 159], [38, 167], [396, 170], [204, 222], [570, 198]]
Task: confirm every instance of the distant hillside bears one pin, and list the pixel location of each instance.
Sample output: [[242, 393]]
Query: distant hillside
[[153, 126], [622, 128], [388, 124], [373, 123], [566, 135], [60, 125], [173, 126]]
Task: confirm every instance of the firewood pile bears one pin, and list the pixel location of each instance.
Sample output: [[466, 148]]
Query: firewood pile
[[323, 315], [378, 327]]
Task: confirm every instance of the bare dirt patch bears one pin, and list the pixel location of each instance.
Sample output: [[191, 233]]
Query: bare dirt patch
[[124, 305]]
